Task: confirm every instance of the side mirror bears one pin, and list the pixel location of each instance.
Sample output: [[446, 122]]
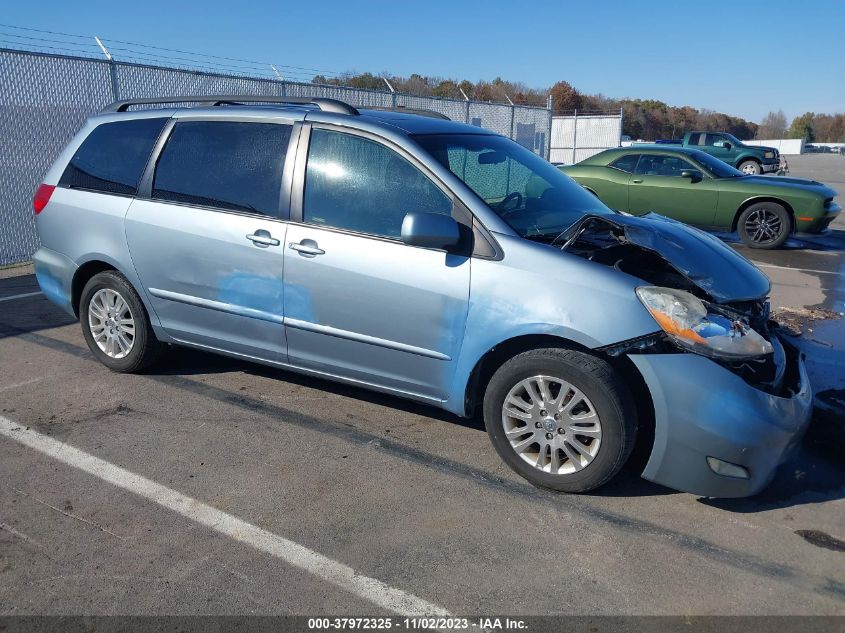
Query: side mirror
[[692, 174], [430, 230], [727, 145]]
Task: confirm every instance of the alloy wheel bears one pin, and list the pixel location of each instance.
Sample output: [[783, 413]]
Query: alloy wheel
[[111, 322], [551, 425], [763, 226]]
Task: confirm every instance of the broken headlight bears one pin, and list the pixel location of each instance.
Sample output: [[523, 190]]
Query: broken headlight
[[687, 321]]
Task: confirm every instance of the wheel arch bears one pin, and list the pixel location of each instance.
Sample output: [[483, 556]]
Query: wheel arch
[[755, 199], [81, 277], [500, 353], [743, 158]]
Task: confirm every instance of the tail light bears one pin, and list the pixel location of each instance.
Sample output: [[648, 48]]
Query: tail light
[[42, 197]]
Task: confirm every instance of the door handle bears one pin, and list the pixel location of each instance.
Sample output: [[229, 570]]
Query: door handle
[[637, 181], [307, 248], [263, 239]]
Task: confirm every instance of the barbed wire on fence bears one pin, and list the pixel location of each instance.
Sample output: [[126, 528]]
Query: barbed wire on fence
[[40, 40]]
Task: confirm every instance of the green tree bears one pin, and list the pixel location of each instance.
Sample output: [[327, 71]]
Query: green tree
[[802, 127], [446, 88]]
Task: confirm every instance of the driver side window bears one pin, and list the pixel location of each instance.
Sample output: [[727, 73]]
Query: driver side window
[[663, 165], [357, 184], [715, 140]]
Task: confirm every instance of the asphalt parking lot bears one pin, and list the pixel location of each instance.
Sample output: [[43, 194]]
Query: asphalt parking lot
[[212, 486]]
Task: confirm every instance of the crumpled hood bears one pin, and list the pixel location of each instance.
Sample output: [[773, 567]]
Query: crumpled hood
[[705, 260]]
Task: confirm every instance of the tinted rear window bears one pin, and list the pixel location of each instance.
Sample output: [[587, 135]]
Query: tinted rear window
[[113, 157], [223, 164], [626, 163]]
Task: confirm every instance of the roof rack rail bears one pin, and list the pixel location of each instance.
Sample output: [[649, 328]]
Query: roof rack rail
[[433, 114], [326, 105]]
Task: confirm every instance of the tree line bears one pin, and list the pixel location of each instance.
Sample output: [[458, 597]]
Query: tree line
[[812, 127], [647, 119]]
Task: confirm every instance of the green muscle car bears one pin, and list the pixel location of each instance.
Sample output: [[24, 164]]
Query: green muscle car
[[696, 188]]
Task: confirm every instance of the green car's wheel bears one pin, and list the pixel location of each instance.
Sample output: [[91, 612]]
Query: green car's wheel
[[764, 225], [750, 168]]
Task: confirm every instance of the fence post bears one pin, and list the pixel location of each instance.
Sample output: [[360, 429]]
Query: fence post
[[392, 93], [115, 84], [548, 151], [466, 105], [574, 135], [513, 116], [280, 78], [621, 114], [513, 113]]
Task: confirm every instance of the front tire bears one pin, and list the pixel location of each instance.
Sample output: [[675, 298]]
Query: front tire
[[116, 325], [561, 419], [750, 168], [764, 225]]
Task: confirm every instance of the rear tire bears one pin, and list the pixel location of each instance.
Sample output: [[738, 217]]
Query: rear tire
[[116, 325], [571, 429], [750, 168], [764, 225]]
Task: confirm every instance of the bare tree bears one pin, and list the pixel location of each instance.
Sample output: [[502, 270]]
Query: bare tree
[[772, 126]]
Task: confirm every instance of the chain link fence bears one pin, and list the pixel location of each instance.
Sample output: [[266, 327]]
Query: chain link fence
[[45, 98]]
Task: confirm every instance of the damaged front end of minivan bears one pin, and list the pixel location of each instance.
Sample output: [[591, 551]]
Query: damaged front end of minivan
[[731, 397]]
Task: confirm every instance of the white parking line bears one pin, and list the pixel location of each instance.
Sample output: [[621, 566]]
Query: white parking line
[[23, 296], [343, 576]]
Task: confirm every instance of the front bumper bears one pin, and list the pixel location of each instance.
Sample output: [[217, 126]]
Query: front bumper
[[817, 225], [704, 410], [770, 167]]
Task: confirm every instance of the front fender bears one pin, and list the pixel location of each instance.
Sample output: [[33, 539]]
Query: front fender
[[537, 289], [746, 156]]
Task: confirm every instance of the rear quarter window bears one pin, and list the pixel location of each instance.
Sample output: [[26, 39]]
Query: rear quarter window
[[113, 157], [626, 163]]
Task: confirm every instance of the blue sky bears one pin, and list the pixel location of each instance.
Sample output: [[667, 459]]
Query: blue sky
[[743, 58]]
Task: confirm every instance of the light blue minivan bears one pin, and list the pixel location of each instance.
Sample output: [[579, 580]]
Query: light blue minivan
[[404, 252]]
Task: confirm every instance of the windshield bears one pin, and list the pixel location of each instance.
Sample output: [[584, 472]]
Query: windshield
[[718, 168], [733, 139], [535, 198]]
